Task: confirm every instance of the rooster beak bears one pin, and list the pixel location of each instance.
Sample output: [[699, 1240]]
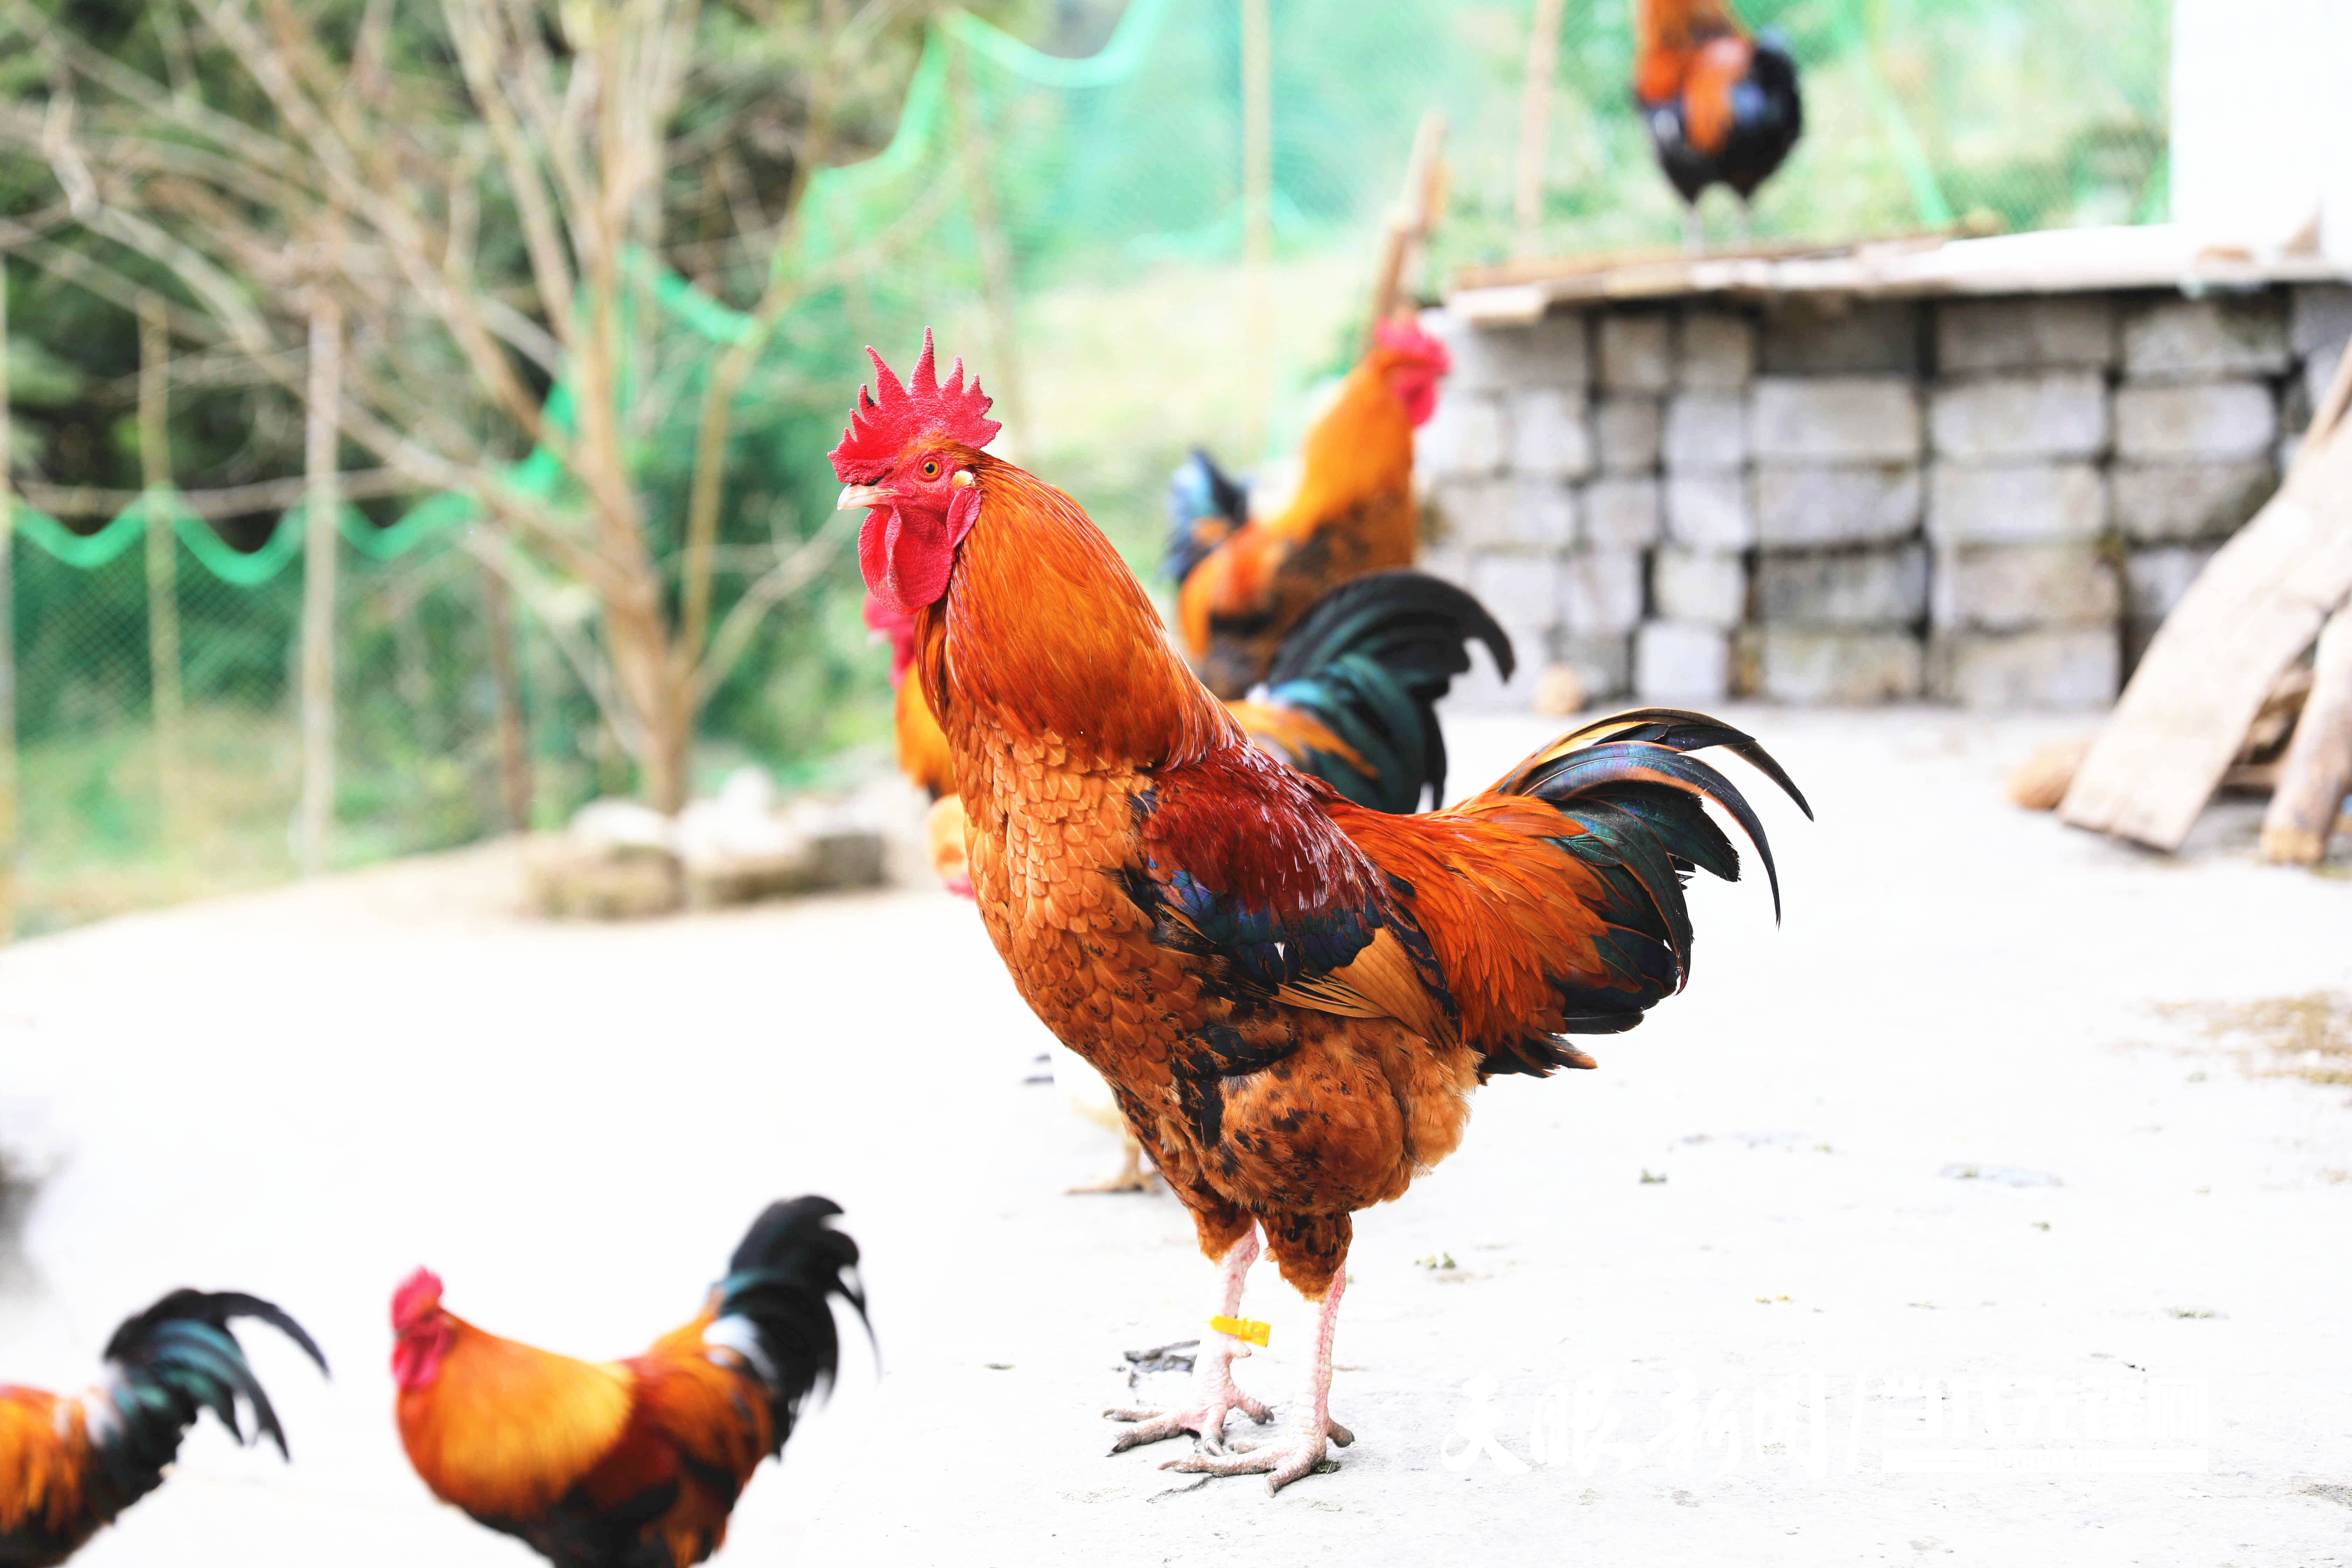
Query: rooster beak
[[861, 495]]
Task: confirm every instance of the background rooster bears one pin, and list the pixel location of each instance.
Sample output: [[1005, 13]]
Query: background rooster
[[1243, 584], [1292, 995], [1722, 107], [69, 1465], [632, 1464]]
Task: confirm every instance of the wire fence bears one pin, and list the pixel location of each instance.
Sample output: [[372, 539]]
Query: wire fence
[[1163, 243]]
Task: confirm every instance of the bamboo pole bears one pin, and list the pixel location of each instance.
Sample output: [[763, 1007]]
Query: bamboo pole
[[1415, 215], [1535, 123], [1258, 208], [2316, 771], [978, 187], [322, 433], [515, 785], [8, 641], [167, 711]]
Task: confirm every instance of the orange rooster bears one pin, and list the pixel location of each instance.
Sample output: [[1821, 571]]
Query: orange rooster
[[1722, 107], [68, 1465], [1245, 584], [632, 1464], [1293, 996]]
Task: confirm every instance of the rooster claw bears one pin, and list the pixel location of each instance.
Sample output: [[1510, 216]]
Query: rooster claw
[[1205, 1421], [1294, 1453]]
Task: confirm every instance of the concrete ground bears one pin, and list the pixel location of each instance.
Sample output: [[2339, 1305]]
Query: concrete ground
[[1936, 1126]]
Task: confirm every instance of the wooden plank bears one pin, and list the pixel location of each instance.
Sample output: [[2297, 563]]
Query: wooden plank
[[2250, 614], [2317, 768]]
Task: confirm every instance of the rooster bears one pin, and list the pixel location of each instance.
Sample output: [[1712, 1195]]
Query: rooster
[[1351, 700], [1243, 584], [68, 1465], [1722, 107], [632, 1464], [1292, 995]]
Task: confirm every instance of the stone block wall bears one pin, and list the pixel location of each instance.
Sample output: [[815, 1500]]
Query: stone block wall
[[1985, 502]]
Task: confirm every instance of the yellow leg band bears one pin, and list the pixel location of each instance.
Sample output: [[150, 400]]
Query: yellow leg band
[[1248, 1328]]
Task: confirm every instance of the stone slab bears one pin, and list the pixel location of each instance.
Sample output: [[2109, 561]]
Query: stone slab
[[1678, 662], [1815, 507], [2053, 414], [2015, 503], [1549, 435], [2204, 420], [2078, 670], [1626, 430], [1842, 419], [1709, 511], [1840, 337], [1701, 588], [1876, 587], [1705, 432], [1718, 351], [2016, 587], [2169, 502], [2047, 332], [1637, 350], [2206, 339], [1806, 664]]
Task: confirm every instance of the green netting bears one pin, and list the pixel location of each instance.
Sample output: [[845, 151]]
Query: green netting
[[1075, 227]]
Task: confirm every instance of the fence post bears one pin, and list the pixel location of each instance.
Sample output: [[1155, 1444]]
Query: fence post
[[7, 640], [1257, 207], [162, 592], [1535, 123], [323, 500]]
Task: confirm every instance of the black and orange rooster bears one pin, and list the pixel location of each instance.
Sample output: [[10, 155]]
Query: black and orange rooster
[[1243, 584], [1722, 107], [632, 1464], [1293, 996], [70, 1465]]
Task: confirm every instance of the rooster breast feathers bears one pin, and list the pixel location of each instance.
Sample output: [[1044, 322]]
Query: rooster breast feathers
[[1550, 905]]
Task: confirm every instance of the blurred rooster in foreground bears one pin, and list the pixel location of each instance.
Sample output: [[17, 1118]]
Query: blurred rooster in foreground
[[1243, 584], [1293, 996], [1722, 107], [68, 1465], [632, 1464]]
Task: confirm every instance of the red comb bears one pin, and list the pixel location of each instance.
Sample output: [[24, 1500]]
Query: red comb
[[419, 1291], [893, 414], [1403, 335]]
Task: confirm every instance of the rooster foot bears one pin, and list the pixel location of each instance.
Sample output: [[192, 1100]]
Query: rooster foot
[[1202, 1416], [1299, 1450]]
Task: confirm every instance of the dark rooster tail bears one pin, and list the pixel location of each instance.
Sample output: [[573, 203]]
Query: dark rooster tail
[[779, 1286], [1203, 508], [1369, 663], [172, 1362]]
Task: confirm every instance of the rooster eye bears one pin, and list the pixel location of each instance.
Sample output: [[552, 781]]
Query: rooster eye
[[931, 468]]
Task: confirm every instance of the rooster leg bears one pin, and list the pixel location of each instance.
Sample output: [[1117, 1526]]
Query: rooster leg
[[1300, 1447], [1214, 1397], [1693, 229], [1743, 228], [1130, 1176]]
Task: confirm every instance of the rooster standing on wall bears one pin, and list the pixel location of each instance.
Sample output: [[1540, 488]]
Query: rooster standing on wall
[[1722, 107]]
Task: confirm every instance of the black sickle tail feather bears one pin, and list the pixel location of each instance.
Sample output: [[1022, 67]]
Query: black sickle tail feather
[[1369, 662], [1625, 781], [174, 1361], [779, 1283], [1203, 508]]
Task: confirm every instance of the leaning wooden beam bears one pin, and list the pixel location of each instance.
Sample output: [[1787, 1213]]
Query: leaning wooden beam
[[2316, 771], [2249, 614]]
